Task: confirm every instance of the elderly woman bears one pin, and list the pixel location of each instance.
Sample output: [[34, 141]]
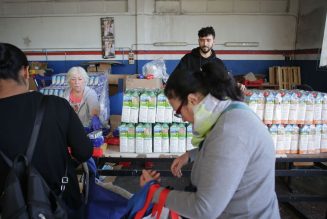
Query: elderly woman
[[233, 173], [82, 98]]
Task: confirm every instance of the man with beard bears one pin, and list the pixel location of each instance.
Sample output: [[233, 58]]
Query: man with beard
[[202, 54]]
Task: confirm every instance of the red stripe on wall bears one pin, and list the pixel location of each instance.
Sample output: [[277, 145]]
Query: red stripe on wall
[[180, 52]]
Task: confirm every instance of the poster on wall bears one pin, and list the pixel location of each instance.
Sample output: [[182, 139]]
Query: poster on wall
[[108, 48], [108, 37]]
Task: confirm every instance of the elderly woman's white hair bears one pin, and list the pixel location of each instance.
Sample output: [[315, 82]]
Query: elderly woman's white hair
[[77, 70]]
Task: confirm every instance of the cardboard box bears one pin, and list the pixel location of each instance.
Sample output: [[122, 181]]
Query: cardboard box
[[113, 78], [114, 121], [117, 83], [143, 83]]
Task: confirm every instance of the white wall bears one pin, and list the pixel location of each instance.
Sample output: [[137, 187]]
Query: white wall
[[76, 24]]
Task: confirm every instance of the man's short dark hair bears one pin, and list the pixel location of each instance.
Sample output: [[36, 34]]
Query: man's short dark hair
[[206, 31]]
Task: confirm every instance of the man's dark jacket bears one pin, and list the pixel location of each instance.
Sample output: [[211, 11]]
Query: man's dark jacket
[[193, 60]]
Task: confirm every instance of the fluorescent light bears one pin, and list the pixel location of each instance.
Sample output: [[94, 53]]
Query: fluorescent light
[[170, 44], [241, 44]]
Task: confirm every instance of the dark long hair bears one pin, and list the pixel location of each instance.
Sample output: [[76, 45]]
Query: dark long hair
[[213, 79], [12, 59]]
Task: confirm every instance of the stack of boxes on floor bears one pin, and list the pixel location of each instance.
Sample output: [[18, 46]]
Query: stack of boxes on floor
[[296, 119], [148, 124]]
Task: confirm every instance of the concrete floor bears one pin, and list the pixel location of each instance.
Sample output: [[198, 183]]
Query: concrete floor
[[300, 185]]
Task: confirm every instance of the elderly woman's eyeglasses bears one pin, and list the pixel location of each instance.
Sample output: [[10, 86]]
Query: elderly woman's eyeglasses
[[179, 109]]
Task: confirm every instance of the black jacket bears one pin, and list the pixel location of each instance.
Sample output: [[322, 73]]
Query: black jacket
[[60, 128], [193, 60]]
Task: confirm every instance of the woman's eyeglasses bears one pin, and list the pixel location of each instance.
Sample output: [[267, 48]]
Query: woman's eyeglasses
[[179, 109]]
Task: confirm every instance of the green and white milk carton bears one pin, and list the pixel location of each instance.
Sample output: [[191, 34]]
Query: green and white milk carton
[[123, 138], [131, 138], [165, 138], [174, 129], [139, 138], [157, 138]]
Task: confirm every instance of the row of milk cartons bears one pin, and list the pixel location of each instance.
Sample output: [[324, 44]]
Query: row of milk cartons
[[93, 79], [157, 138], [288, 106], [299, 139], [147, 106]]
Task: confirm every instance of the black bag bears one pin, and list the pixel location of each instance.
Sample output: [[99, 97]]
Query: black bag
[[26, 195]]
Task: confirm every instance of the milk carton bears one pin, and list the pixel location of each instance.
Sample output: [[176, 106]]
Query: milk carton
[[161, 107], [288, 138], [139, 138], [324, 108], [309, 110], [131, 137], [294, 108], [165, 137], [189, 136], [304, 139], [273, 132], [269, 107], [252, 100], [63, 80], [295, 139], [157, 138], [135, 106], [317, 143], [152, 104], [323, 143], [317, 108], [168, 112], [277, 119], [174, 129], [280, 144], [286, 104], [144, 106], [147, 138], [302, 108], [54, 79], [123, 138], [311, 139], [182, 138], [127, 100], [91, 80], [261, 105]]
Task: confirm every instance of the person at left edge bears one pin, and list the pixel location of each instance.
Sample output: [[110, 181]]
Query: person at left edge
[[82, 98], [60, 128]]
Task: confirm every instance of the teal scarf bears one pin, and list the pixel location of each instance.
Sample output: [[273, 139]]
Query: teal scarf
[[206, 114]]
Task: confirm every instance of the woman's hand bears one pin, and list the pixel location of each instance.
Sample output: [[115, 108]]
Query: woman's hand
[[148, 175], [178, 163]]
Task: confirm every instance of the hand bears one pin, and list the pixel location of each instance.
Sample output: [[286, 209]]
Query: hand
[[148, 175], [178, 163], [95, 123]]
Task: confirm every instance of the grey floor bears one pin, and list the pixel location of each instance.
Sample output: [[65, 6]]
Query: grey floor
[[300, 185]]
